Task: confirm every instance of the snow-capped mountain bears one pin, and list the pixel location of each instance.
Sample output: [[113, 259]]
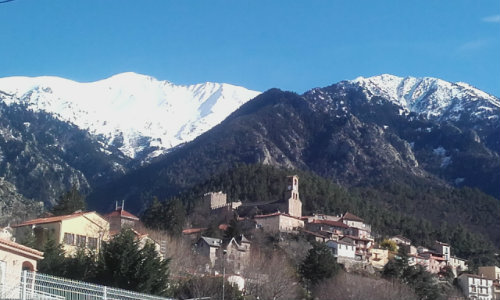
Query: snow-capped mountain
[[134, 112], [435, 98]]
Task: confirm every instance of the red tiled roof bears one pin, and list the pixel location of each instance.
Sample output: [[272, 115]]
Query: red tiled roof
[[122, 213], [351, 217], [329, 222], [223, 227], [193, 230], [23, 249], [50, 219], [438, 258]]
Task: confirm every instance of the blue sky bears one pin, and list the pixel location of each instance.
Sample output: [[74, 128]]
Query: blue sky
[[259, 44]]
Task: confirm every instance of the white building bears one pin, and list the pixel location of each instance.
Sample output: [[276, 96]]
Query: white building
[[342, 249], [476, 287]]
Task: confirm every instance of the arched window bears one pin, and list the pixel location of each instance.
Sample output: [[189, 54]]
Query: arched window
[[27, 266]]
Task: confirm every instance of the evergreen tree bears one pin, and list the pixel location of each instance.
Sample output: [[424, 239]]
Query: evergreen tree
[[234, 229], [54, 261], [416, 277], [169, 215], [124, 265], [28, 240], [175, 216], [319, 264], [81, 266], [69, 202], [153, 215]]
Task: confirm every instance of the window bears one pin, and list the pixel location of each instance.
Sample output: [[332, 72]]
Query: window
[[69, 238], [92, 244], [81, 240]]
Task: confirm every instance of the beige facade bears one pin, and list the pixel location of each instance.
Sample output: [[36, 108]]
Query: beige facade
[[215, 199], [278, 222], [490, 272], [493, 273], [14, 258], [78, 230], [379, 258]]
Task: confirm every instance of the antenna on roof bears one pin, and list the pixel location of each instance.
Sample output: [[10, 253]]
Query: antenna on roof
[[117, 207]]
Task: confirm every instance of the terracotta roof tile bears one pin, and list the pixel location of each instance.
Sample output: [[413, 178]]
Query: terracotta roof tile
[[351, 217], [33, 252], [122, 213], [329, 222], [223, 227], [193, 230], [50, 219]]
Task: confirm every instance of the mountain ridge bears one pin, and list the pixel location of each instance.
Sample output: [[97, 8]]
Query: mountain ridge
[[136, 113]]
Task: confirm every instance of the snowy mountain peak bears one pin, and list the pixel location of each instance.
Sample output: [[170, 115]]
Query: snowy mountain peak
[[132, 111], [433, 97]]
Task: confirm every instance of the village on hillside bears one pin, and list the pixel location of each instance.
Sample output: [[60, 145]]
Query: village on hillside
[[349, 238]]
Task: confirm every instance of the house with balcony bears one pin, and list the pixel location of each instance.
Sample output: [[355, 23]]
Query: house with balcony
[[476, 287], [493, 273], [362, 245], [342, 250]]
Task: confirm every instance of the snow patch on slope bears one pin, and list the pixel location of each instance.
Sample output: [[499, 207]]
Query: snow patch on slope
[[130, 110], [433, 97]]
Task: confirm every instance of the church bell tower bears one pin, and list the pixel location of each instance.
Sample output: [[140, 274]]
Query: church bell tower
[[292, 196]]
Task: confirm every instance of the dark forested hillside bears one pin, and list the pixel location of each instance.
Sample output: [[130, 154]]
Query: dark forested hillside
[[396, 162], [262, 183], [44, 157]]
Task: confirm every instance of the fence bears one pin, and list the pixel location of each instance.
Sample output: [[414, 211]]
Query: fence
[[38, 286]]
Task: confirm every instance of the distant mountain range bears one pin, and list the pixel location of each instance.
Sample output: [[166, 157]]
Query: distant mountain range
[[383, 132], [141, 116]]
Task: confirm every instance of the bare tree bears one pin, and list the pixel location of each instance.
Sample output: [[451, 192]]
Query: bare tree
[[346, 286], [271, 277]]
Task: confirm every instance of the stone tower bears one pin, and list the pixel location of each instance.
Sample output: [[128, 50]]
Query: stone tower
[[292, 196]]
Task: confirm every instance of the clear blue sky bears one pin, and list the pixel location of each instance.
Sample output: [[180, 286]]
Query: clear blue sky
[[259, 44]]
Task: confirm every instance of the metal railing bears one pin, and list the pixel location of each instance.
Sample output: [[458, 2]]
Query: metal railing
[[34, 285]]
